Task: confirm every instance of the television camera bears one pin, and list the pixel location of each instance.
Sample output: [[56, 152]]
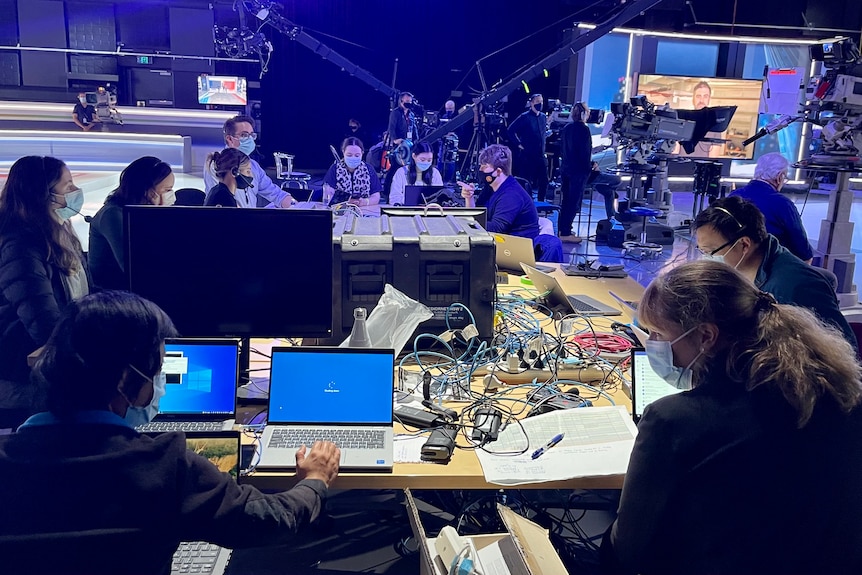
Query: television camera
[[836, 97], [647, 133], [104, 100], [560, 114]]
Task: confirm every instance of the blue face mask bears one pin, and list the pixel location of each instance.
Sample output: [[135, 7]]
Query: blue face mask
[[74, 203], [423, 166], [137, 416], [660, 356], [352, 162], [246, 146]]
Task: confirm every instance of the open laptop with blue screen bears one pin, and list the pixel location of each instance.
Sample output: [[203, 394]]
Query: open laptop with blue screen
[[338, 394], [201, 378], [647, 385]]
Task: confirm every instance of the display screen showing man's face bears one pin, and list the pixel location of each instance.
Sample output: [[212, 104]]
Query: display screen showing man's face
[[701, 97]]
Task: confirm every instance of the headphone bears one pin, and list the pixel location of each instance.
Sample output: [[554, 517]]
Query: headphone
[[580, 109], [234, 172]]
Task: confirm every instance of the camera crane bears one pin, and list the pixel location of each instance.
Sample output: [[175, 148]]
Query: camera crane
[[486, 100]]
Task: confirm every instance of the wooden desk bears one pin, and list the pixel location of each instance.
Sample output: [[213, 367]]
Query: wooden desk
[[464, 471]]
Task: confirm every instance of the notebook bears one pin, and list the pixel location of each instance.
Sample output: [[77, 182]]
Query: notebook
[[647, 386], [419, 195], [579, 304], [339, 394], [512, 251], [223, 450], [201, 379]]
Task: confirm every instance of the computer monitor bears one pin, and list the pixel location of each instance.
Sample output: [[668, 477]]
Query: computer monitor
[[223, 90], [234, 272]]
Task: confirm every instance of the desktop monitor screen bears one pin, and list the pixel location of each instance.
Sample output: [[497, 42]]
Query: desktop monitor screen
[[200, 376], [234, 272], [223, 90], [691, 93]]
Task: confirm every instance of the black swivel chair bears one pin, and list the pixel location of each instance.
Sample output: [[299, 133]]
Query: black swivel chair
[[190, 197]]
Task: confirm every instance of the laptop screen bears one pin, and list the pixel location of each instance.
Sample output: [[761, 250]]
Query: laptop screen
[[331, 385], [647, 386], [201, 377], [222, 450]]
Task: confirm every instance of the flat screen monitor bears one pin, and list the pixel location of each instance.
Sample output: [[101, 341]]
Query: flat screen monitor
[[222, 90], [234, 272], [693, 93]]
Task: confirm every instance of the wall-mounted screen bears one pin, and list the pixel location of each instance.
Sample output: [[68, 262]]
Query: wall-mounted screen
[[692, 93], [222, 90]]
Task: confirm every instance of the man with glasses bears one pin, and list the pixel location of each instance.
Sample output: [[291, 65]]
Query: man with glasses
[[239, 133], [732, 230], [782, 219]]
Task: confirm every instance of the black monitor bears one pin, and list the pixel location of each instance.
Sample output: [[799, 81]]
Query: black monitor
[[234, 272]]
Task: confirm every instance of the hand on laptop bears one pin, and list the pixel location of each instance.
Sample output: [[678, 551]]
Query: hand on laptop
[[319, 463]]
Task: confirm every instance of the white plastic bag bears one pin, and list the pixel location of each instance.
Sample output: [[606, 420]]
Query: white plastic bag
[[394, 319]]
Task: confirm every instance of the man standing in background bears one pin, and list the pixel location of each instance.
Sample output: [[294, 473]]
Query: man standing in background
[[576, 144], [527, 137]]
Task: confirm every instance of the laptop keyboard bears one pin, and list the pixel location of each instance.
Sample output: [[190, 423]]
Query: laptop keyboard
[[580, 305], [158, 426], [343, 438], [195, 557]]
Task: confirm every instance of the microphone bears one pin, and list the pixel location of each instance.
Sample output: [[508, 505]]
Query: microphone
[[774, 126], [87, 219]]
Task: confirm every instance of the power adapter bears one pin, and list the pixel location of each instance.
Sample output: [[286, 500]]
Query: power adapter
[[486, 424], [440, 444]]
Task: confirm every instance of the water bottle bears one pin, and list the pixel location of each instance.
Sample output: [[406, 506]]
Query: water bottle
[[359, 334]]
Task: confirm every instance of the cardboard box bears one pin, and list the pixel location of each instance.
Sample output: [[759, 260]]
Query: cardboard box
[[525, 547]]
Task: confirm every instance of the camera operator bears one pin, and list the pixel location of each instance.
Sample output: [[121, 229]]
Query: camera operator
[[527, 136], [402, 126], [576, 144]]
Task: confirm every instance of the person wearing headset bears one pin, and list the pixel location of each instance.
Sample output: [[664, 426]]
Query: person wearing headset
[[527, 136], [146, 181], [235, 177], [420, 172], [239, 134], [42, 269]]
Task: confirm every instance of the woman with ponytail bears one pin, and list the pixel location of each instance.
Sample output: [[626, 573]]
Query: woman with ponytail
[[720, 475]]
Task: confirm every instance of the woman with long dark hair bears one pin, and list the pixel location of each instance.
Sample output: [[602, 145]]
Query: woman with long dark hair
[[350, 179], [146, 181], [419, 172], [41, 270]]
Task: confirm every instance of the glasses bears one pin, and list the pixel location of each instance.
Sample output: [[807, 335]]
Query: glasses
[[719, 248], [246, 136]]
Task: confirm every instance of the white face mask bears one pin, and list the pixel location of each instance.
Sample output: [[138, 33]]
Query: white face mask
[[137, 416], [660, 356], [169, 198]]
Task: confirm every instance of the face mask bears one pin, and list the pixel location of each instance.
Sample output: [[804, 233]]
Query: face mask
[[83, 101], [74, 203], [537, 107], [136, 416], [422, 166], [352, 162], [490, 177], [169, 198], [353, 128], [243, 181], [660, 355], [246, 146], [720, 257]]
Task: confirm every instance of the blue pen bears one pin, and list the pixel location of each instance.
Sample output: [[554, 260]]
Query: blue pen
[[556, 439]]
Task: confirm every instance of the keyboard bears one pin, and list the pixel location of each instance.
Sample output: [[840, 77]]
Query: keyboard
[[199, 557], [202, 426], [343, 438], [591, 273]]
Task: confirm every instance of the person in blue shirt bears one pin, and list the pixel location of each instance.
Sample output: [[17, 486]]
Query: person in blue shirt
[[239, 133], [782, 218], [510, 208]]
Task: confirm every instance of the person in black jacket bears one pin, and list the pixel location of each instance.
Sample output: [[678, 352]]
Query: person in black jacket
[[80, 467], [234, 173], [527, 136], [761, 456], [41, 270], [576, 167], [146, 181]]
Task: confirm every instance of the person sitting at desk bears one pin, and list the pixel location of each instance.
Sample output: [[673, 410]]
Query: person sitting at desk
[[510, 208], [732, 230], [234, 172], [350, 179], [782, 219], [718, 477], [146, 181], [42, 269], [409, 175], [80, 468]]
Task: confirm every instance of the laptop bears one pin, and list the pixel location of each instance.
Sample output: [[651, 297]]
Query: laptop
[[647, 386], [223, 450], [419, 195], [201, 378], [339, 394], [578, 304], [512, 251]]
